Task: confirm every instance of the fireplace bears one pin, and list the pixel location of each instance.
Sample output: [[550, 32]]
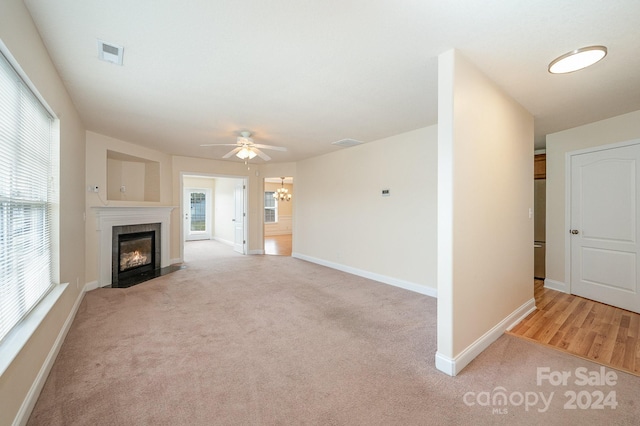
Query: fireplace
[[136, 252], [111, 219]]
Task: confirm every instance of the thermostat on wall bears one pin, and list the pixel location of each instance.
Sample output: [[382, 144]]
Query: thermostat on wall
[[386, 192]]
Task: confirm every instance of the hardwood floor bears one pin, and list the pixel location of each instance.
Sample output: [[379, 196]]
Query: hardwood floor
[[278, 245], [600, 333]]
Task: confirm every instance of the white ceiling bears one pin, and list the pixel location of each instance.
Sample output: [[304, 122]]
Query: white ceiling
[[303, 74]]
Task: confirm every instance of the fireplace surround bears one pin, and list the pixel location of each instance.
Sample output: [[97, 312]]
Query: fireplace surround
[[109, 217]]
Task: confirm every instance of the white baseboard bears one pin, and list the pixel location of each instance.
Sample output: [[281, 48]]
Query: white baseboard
[[176, 260], [452, 366], [556, 285], [407, 285], [36, 387], [256, 251], [90, 286], [445, 364], [223, 241]]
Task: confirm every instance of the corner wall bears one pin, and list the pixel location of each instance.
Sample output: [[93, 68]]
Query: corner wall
[[485, 193], [21, 383], [343, 221], [617, 129]]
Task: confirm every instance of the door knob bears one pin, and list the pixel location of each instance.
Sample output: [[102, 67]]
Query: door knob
[[574, 231]]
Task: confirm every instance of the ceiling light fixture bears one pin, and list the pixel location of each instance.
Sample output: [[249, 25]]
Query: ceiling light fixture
[[577, 59], [282, 194]]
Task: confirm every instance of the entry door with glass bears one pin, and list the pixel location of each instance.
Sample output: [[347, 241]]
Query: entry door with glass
[[197, 214]]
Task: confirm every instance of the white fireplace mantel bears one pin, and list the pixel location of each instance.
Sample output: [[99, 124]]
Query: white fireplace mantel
[[108, 217]]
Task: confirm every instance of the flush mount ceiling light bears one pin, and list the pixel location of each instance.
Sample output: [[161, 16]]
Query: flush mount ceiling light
[[577, 59]]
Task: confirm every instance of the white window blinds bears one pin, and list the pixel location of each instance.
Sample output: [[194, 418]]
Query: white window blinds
[[26, 198], [270, 208]]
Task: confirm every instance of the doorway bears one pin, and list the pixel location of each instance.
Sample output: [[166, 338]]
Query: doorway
[[603, 225], [213, 208], [278, 216]]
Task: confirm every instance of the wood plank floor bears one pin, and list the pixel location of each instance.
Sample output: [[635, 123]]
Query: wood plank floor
[[600, 333], [278, 244]]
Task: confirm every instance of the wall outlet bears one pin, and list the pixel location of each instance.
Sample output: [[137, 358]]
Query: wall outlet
[[123, 188]]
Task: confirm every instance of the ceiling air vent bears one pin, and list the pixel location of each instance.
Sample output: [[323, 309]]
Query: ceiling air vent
[[346, 143], [110, 52]]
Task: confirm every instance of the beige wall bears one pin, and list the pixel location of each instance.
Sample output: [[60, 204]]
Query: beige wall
[[485, 191], [19, 35], [97, 146], [617, 129], [341, 217]]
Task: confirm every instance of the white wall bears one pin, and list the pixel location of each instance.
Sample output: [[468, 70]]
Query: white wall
[[28, 368], [485, 191], [617, 129], [341, 218]]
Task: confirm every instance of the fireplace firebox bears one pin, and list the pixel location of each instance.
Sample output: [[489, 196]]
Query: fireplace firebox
[[135, 253]]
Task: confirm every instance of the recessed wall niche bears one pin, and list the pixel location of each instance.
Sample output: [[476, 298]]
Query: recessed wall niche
[[132, 178]]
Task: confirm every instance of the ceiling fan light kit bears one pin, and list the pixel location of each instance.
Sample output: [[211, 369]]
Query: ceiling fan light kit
[[246, 149], [245, 153]]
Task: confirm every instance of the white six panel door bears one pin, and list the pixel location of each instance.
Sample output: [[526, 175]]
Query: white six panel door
[[604, 226]]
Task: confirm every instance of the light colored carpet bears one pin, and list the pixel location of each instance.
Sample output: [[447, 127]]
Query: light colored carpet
[[265, 340]]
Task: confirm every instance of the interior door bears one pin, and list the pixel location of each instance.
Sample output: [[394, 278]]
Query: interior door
[[197, 214], [239, 219], [604, 226]]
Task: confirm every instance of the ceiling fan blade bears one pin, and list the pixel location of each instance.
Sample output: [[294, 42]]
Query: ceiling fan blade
[[233, 151], [219, 144], [261, 154], [275, 148]]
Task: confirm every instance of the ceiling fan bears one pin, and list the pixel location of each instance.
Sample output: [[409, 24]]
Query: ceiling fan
[[245, 149]]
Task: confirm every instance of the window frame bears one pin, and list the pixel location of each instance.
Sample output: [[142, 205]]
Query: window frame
[[20, 332], [273, 208]]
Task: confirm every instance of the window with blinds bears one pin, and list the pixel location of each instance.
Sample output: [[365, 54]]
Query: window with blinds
[[28, 158], [270, 208]]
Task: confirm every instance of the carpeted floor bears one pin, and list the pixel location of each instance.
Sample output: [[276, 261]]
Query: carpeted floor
[[270, 340]]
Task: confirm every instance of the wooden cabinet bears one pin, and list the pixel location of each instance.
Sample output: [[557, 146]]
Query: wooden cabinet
[[540, 166]]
